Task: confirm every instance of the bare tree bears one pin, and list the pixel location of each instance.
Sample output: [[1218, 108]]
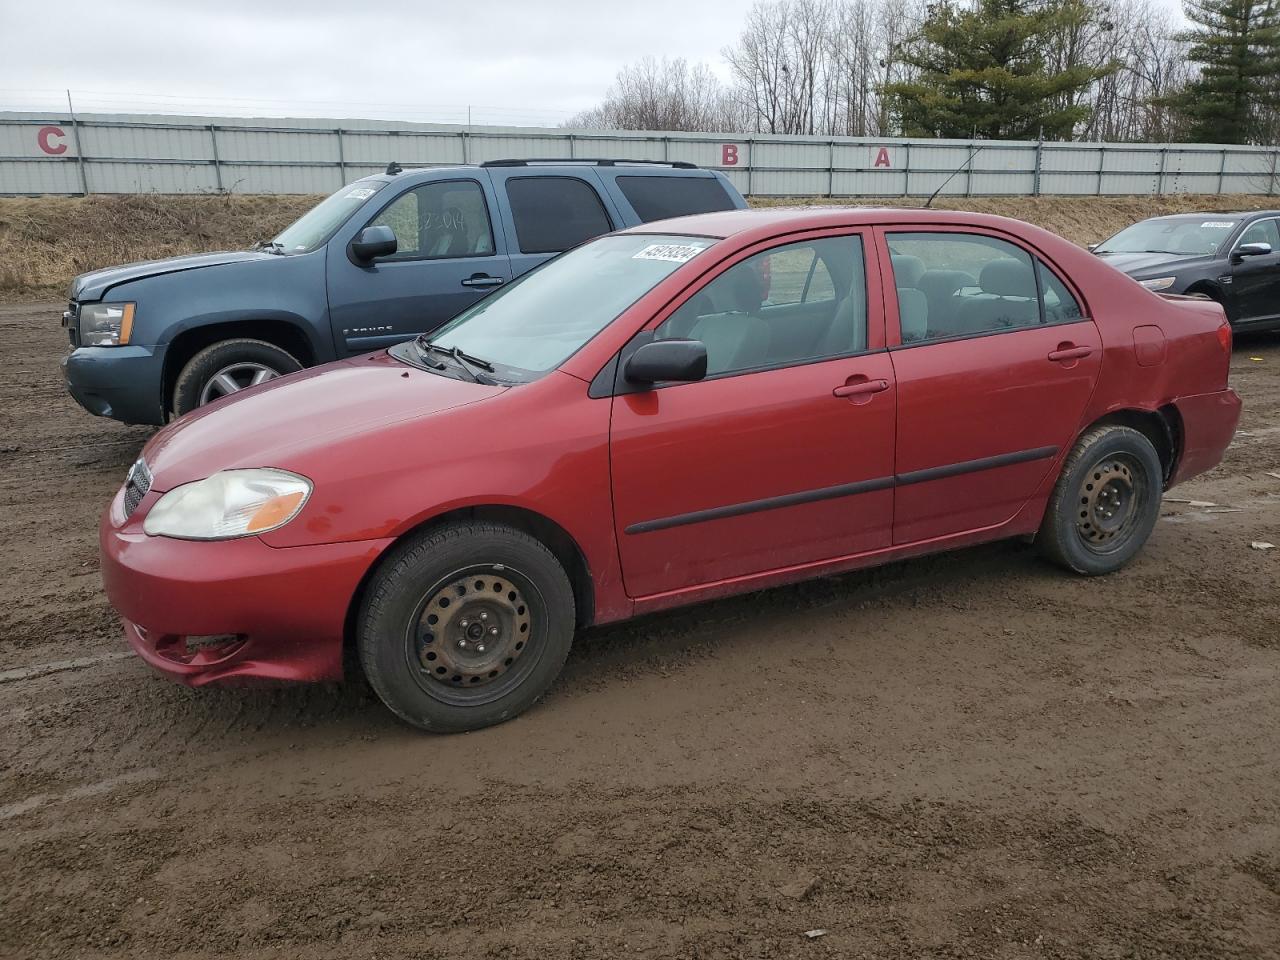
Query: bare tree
[[663, 95]]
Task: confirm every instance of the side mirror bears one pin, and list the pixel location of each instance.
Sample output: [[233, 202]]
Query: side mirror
[[679, 360], [1252, 250], [371, 243], [1093, 246]]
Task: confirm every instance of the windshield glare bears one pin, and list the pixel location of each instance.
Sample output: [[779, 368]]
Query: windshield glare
[[317, 225], [536, 323], [1190, 238]]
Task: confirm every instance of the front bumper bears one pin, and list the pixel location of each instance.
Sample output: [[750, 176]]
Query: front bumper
[[123, 383], [1208, 424], [282, 611]]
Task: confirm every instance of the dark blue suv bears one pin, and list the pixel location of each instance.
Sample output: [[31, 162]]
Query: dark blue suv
[[382, 260]]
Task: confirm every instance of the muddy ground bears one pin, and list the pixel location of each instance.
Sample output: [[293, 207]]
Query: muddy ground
[[973, 755]]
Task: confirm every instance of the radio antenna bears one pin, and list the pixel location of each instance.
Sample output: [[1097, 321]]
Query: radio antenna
[[976, 150]]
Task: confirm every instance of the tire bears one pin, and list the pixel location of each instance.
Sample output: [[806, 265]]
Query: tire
[[1105, 504], [240, 360], [465, 626]]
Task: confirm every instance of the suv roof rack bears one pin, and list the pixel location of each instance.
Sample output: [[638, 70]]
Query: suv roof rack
[[599, 162]]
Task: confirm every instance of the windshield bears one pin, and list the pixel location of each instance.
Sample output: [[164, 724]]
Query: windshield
[[316, 226], [1189, 238], [536, 323]]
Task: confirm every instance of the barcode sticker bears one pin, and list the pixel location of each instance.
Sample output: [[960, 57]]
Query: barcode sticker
[[671, 252]]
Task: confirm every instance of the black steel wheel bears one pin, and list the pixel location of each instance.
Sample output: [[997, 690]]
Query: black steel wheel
[[1106, 501], [465, 626]]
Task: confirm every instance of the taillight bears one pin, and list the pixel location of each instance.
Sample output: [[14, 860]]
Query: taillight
[[1224, 337]]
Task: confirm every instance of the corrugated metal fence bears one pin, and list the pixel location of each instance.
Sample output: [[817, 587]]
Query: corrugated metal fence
[[130, 153]]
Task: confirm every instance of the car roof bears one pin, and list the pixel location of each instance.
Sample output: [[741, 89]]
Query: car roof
[[536, 167], [774, 220], [1233, 215]]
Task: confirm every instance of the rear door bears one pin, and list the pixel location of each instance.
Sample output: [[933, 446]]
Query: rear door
[[1255, 281], [547, 212], [995, 360], [450, 254], [781, 456]]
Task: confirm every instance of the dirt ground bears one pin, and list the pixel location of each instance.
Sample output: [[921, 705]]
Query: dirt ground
[[973, 755]]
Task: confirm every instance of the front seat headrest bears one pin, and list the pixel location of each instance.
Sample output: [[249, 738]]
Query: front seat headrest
[[907, 270]]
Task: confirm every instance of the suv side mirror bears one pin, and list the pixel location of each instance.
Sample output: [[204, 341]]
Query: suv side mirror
[[679, 360], [1252, 250], [371, 243]]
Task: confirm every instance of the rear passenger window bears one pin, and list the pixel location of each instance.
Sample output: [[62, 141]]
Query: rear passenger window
[[1060, 305], [957, 284], [555, 213], [656, 198], [793, 304], [439, 221]]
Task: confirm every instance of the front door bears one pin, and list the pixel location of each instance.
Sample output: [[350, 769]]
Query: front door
[[783, 455], [449, 255], [994, 369], [1255, 281]]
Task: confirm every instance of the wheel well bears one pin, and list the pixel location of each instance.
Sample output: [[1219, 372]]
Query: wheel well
[[187, 344], [553, 536], [1163, 427]]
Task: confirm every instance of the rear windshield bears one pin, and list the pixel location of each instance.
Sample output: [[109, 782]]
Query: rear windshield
[[313, 229], [656, 198], [1195, 237]]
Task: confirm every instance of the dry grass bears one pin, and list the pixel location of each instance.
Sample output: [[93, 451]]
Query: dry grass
[[45, 241]]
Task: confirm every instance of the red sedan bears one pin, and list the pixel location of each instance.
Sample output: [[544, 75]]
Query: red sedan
[[689, 409]]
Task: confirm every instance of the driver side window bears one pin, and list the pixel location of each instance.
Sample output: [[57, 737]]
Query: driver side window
[[795, 303], [1264, 231], [438, 221]]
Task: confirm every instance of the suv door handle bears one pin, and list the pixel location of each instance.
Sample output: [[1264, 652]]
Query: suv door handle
[[1069, 351], [482, 280], [858, 386]]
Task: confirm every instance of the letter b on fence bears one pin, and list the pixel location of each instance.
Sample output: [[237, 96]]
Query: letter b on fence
[[728, 155]]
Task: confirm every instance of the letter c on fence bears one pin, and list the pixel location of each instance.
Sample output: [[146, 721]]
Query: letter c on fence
[[728, 155], [45, 138]]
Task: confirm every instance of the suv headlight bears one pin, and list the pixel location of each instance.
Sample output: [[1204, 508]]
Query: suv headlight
[[229, 504], [105, 324], [1159, 283]]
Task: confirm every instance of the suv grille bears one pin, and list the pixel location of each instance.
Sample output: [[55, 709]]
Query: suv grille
[[136, 485]]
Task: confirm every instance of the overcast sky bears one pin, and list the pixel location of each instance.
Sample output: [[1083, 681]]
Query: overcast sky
[[511, 61]]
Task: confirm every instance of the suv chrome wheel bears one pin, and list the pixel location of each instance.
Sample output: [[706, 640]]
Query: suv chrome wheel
[[234, 378]]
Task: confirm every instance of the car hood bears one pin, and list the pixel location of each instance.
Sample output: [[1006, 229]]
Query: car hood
[[286, 419], [94, 285], [1145, 263]]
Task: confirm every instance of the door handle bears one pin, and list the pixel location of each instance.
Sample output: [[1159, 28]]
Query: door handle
[[482, 280], [1069, 351], [860, 386]]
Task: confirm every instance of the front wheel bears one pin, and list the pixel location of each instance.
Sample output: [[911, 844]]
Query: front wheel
[[465, 626], [226, 368], [1105, 504]]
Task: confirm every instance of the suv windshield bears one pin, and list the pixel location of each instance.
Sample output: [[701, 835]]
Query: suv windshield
[[1189, 237], [317, 225], [540, 320]]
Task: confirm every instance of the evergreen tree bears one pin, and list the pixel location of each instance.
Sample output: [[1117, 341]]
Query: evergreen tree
[[981, 71], [1237, 44]]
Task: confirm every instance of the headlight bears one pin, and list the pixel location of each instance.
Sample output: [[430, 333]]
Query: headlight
[[233, 503], [1159, 283], [105, 324]]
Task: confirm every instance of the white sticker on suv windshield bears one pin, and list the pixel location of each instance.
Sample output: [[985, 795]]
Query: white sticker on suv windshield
[[671, 252], [1218, 224], [360, 193]]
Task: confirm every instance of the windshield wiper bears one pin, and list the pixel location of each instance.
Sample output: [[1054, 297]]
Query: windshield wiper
[[269, 246], [464, 360]]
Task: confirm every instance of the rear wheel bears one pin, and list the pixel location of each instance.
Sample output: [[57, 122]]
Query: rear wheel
[[226, 368], [1106, 502], [465, 626]]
